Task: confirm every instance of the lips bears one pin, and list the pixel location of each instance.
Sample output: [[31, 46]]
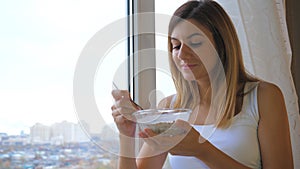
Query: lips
[[188, 66]]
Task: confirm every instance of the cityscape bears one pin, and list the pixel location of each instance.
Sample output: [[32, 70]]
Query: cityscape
[[63, 145]]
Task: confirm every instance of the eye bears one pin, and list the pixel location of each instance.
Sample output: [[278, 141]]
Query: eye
[[193, 44], [176, 47], [195, 39], [175, 44]]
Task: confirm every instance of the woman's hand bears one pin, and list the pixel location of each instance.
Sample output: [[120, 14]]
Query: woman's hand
[[122, 112], [191, 144], [187, 143]]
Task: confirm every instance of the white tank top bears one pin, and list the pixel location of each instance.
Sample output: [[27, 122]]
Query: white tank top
[[239, 141]]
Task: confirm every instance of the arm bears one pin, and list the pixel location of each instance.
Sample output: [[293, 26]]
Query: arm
[[151, 159], [195, 145], [273, 135], [127, 158], [122, 108], [148, 158], [273, 129]]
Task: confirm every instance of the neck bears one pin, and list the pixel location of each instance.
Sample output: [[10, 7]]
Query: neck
[[204, 92]]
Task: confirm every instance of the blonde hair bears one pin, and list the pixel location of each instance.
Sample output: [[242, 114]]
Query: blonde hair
[[213, 17]]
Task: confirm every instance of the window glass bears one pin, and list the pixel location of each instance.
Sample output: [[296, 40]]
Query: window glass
[[40, 43]]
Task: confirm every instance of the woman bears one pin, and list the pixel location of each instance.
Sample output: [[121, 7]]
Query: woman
[[247, 115]]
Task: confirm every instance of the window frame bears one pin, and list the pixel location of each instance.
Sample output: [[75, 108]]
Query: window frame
[[142, 66]]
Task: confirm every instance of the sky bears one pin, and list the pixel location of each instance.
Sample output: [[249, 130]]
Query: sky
[[40, 42]]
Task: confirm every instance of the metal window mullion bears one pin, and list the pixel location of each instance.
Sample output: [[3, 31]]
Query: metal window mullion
[[129, 44], [144, 74]]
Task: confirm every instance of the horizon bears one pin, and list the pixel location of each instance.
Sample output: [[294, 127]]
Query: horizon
[[27, 128]]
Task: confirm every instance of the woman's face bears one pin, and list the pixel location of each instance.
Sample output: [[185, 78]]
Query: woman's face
[[193, 50]]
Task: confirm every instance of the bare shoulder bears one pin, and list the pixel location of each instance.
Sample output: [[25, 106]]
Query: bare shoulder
[[269, 91], [270, 98], [165, 102], [273, 127]]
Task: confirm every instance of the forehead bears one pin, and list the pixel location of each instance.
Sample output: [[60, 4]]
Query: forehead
[[187, 27]]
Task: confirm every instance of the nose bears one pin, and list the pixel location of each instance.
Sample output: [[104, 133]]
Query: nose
[[184, 52]]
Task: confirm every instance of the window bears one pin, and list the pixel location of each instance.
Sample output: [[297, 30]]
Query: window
[[40, 44], [153, 90]]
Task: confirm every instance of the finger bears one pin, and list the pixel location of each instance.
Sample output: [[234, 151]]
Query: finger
[[118, 94], [188, 128], [124, 102], [150, 132], [119, 119], [150, 141], [182, 124], [127, 102], [201, 139], [119, 112], [125, 107], [143, 135], [157, 142], [126, 113], [173, 152], [124, 96], [115, 113]]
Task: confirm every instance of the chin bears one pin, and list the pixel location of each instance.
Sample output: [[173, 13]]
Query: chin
[[189, 77]]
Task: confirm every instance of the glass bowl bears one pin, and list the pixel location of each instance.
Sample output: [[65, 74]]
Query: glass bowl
[[161, 120]]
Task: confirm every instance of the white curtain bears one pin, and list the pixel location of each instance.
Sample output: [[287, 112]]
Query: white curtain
[[262, 30]]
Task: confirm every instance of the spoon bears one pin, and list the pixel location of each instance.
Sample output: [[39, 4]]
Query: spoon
[[136, 105]]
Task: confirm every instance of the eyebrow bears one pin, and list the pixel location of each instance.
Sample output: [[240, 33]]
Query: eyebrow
[[190, 36], [173, 38]]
